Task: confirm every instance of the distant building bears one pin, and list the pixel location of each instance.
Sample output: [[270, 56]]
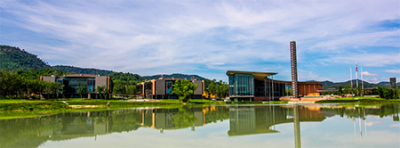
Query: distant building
[[256, 86], [162, 88], [71, 83]]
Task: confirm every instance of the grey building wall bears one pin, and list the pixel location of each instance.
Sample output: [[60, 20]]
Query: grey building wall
[[49, 78], [199, 90], [101, 81], [160, 87]]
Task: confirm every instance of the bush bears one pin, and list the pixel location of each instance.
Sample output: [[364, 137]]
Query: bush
[[387, 93]]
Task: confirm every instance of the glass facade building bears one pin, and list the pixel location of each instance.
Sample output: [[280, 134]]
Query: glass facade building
[[72, 82], [253, 86], [241, 85]]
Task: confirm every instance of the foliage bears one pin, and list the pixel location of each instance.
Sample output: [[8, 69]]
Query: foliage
[[184, 89], [387, 92], [222, 91], [175, 75], [82, 70], [289, 92], [328, 84], [218, 88], [35, 74], [124, 87], [100, 90], [13, 85], [184, 118], [15, 59], [129, 77], [81, 90]]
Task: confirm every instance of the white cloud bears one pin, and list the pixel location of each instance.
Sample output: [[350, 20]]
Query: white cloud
[[373, 80], [393, 71], [366, 73], [168, 36]]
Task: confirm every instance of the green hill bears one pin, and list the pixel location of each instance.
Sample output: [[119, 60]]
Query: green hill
[[126, 77], [79, 70], [175, 75], [15, 59]]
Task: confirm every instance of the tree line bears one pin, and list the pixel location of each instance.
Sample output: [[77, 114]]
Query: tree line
[[218, 88], [13, 85]]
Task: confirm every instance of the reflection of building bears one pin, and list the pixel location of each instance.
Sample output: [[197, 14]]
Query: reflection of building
[[247, 120], [244, 85], [162, 88], [72, 82]]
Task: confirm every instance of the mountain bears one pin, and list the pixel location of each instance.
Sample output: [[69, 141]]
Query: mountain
[[125, 77], [79, 70], [327, 83], [175, 75], [15, 59]]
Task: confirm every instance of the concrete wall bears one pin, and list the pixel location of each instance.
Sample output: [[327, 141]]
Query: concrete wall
[[49, 78], [101, 81], [160, 87], [199, 90]]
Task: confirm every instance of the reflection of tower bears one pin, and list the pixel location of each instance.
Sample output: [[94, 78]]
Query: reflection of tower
[[296, 120]]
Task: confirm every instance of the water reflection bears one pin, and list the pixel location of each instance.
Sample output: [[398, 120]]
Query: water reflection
[[243, 121]]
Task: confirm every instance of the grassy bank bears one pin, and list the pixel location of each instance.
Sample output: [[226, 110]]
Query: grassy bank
[[358, 99]]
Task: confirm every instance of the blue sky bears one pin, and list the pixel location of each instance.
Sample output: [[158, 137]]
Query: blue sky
[[210, 37]]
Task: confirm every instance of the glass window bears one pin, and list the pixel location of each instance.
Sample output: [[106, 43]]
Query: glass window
[[241, 85]]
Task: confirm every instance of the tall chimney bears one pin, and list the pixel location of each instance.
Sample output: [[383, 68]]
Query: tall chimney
[[293, 62]]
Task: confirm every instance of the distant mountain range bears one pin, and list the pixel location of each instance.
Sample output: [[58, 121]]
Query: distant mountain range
[[175, 75], [329, 84], [82, 70], [15, 59]]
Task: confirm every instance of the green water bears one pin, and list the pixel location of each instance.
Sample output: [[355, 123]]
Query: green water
[[211, 126]]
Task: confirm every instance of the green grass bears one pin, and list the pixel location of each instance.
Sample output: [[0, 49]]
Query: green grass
[[357, 99], [205, 101]]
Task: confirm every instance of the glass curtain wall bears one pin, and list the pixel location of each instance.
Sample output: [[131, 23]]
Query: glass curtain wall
[[71, 85], [139, 89], [241, 85], [148, 89], [168, 87]]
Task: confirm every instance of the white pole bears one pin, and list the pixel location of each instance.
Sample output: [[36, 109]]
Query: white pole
[[351, 81], [362, 82], [356, 76]]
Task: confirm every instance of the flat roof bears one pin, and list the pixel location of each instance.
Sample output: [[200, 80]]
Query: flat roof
[[257, 75]]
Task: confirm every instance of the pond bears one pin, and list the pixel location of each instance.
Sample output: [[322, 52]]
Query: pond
[[282, 125]]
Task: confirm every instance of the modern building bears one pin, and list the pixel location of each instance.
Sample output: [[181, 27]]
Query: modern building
[[162, 88], [257, 86], [71, 83]]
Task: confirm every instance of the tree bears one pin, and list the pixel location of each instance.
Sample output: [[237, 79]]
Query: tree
[[340, 90], [183, 118], [100, 89], [212, 88], [184, 89], [81, 90], [106, 91], [222, 91]]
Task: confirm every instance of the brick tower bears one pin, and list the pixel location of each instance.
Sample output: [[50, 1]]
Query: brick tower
[[293, 61]]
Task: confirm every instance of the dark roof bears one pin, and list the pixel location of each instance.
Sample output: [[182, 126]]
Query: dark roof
[[257, 75]]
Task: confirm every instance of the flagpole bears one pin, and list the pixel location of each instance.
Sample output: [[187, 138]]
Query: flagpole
[[351, 81], [362, 83], [356, 76]]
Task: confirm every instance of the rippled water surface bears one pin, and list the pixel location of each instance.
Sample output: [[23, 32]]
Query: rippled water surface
[[211, 126]]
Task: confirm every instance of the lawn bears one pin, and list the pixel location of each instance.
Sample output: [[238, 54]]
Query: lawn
[[357, 99]]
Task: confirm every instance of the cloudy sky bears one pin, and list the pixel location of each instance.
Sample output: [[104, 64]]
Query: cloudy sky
[[210, 37]]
